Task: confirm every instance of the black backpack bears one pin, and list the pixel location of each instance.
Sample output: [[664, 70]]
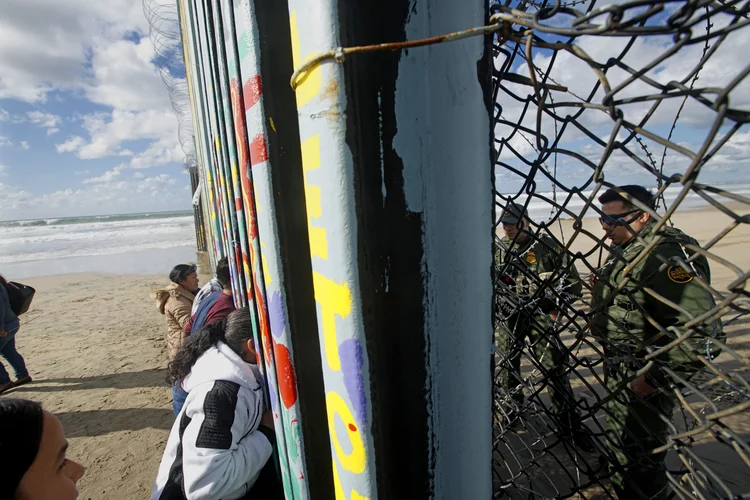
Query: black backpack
[[20, 296]]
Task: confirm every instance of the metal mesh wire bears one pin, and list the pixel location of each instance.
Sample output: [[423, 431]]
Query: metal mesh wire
[[590, 96], [164, 32]]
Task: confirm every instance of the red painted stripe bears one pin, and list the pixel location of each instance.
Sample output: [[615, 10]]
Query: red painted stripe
[[238, 204], [252, 91], [258, 150]]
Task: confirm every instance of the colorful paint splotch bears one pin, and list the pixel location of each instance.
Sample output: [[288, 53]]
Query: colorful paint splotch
[[352, 361], [286, 377], [276, 313]]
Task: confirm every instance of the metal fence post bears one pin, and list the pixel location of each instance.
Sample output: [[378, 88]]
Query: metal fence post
[[397, 165]]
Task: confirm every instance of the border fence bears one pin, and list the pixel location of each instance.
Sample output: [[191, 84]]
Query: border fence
[[401, 185], [590, 96]]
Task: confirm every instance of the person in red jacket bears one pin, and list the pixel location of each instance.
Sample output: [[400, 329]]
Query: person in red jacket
[[220, 307], [224, 305]]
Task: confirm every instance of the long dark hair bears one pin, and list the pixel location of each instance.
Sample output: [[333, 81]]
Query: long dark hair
[[234, 330], [21, 424]]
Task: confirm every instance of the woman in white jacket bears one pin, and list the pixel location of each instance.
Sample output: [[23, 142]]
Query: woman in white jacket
[[221, 441]]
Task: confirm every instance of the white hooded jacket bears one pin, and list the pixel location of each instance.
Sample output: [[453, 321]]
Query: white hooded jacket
[[215, 449]]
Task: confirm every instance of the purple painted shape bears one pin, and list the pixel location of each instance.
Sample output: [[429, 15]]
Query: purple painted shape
[[276, 313], [350, 353], [272, 393]]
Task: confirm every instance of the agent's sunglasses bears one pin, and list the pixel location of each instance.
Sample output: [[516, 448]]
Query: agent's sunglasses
[[620, 219]]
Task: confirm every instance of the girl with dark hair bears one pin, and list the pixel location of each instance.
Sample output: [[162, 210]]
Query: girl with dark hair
[[9, 326], [222, 440], [33, 443]]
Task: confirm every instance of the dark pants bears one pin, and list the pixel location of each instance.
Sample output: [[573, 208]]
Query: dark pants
[[635, 426], [549, 354], [268, 485], [178, 397], [15, 360]]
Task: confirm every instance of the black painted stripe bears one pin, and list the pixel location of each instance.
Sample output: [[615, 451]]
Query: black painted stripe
[[218, 408]]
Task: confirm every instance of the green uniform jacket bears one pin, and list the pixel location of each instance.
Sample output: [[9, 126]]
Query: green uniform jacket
[[629, 322], [525, 267]]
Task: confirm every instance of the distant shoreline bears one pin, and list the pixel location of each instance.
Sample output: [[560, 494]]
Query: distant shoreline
[[134, 216]]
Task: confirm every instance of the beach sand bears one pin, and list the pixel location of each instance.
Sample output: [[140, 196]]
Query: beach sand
[[734, 247], [95, 346]]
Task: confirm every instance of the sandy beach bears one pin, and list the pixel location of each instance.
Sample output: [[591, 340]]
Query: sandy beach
[[704, 225], [94, 344]]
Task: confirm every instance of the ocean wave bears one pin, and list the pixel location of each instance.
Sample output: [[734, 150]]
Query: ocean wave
[[69, 221], [56, 253], [137, 233], [53, 239], [31, 228]]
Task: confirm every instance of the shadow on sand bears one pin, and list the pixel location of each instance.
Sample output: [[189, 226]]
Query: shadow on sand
[[122, 380], [99, 422]]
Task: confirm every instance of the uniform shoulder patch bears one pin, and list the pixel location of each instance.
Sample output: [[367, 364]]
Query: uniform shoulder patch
[[531, 258], [679, 275]]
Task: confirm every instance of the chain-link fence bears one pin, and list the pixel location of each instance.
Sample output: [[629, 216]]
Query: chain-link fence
[[621, 359]]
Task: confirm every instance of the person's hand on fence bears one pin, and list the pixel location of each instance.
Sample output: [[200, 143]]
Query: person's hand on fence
[[641, 387]]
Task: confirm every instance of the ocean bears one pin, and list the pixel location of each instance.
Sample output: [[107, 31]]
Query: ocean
[[120, 244], [153, 243]]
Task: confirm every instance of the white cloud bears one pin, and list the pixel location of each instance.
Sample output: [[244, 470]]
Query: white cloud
[[4, 141], [107, 176], [108, 132], [696, 119], [118, 196], [3, 168], [97, 51], [46, 120], [38, 57], [71, 145], [160, 152], [154, 185], [6, 116], [25, 145], [91, 58], [124, 77], [14, 202]]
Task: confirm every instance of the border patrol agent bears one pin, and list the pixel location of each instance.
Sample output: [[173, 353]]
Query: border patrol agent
[[534, 276], [632, 323]]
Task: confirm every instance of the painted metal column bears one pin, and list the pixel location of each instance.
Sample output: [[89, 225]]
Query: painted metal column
[[233, 53], [267, 123], [396, 153], [225, 197], [202, 143], [443, 137]]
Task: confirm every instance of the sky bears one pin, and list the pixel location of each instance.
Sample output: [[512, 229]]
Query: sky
[[86, 125], [729, 166]]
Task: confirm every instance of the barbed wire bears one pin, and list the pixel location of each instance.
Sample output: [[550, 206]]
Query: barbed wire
[[596, 90], [164, 32]]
